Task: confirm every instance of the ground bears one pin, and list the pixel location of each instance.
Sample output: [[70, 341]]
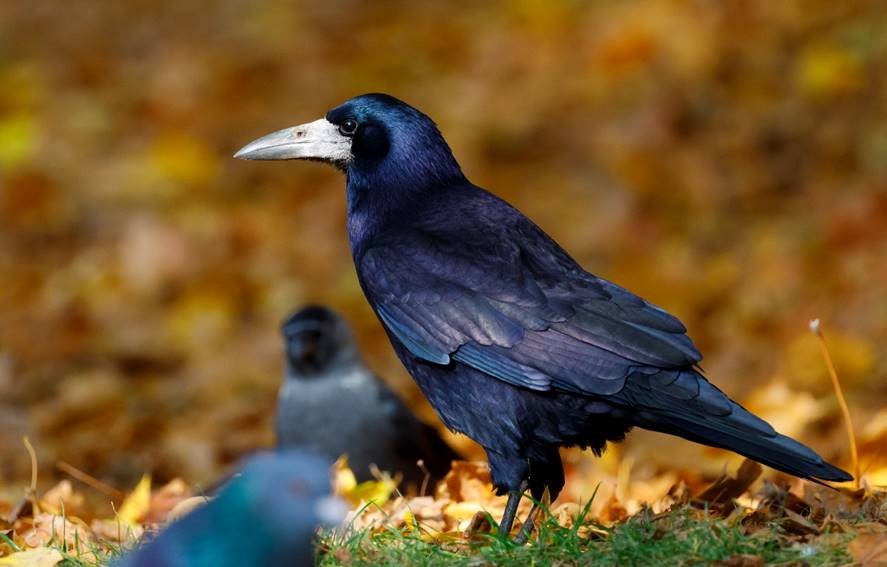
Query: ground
[[736, 520]]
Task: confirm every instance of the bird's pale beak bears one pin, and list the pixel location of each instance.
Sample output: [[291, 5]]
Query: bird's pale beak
[[318, 140]]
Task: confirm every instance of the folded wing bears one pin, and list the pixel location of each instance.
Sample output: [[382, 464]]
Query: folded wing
[[519, 309]]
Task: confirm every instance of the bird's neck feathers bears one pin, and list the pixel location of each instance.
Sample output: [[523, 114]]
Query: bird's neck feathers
[[384, 191], [345, 361]]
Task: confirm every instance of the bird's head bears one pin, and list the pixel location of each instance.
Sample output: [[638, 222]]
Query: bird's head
[[278, 500], [278, 479], [317, 339], [374, 138]]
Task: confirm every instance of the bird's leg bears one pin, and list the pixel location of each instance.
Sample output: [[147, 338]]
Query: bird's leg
[[546, 479], [510, 474], [525, 530], [514, 497]]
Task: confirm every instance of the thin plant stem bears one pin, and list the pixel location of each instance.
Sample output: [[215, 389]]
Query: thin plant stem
[[815, 327], [31, 491]]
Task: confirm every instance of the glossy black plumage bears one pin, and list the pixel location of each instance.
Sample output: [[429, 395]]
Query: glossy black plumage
[[331, 403], [513, 342]]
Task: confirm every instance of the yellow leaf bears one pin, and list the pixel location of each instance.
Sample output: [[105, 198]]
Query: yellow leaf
[[344, 480], [409, 520], [463, 510], [38, 557], [137, 503], [376, 491], [345, 485]]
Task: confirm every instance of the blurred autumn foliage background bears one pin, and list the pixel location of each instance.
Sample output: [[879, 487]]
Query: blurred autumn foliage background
[[726, 160]]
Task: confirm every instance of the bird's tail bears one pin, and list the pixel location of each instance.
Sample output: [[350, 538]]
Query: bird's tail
[[689, 406]]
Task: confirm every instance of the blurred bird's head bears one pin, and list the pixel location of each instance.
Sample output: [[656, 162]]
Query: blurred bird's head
[[317, 339], [374, 138], [289, 487], [266, 515]]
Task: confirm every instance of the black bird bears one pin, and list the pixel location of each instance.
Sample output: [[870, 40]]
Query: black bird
[[266, 515], [332, 403], [511, 340]]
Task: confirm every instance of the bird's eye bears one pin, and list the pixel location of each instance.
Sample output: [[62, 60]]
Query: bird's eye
[[349, 127]]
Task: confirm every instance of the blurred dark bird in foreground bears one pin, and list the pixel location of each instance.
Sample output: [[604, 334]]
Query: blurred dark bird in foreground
[[513, 343], [332, 403], [267, 515]]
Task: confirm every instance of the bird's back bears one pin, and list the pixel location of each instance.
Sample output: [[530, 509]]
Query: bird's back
[[353, 413]]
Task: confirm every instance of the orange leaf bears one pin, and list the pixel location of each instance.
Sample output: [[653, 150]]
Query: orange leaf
[[869, 549]]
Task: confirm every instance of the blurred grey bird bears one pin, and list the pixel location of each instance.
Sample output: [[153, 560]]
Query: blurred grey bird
[[266, 515], [332, 403]]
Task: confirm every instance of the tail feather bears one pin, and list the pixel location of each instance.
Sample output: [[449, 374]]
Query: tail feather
[[702, 418], [779, 451]]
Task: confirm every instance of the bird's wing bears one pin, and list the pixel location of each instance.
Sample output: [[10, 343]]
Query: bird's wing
[[510, 302]]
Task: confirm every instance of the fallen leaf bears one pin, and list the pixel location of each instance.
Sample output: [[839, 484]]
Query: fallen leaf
[[61, 498], [116, 531], [467, 481], [613, 511], [345, 485], [185, 507], [48, 528], [778, 498], [479, 523], [344, 480], [463, 510], [138, 503], [835, 501], [37, 557], [22, 508], [166, 499], [797, 524], [869, 549], [727, 487], [376, 491]]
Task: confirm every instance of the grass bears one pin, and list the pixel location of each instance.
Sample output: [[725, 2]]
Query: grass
[[682, 537]]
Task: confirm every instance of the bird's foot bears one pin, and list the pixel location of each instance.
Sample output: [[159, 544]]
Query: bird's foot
[[508, 517], [527, 528]]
